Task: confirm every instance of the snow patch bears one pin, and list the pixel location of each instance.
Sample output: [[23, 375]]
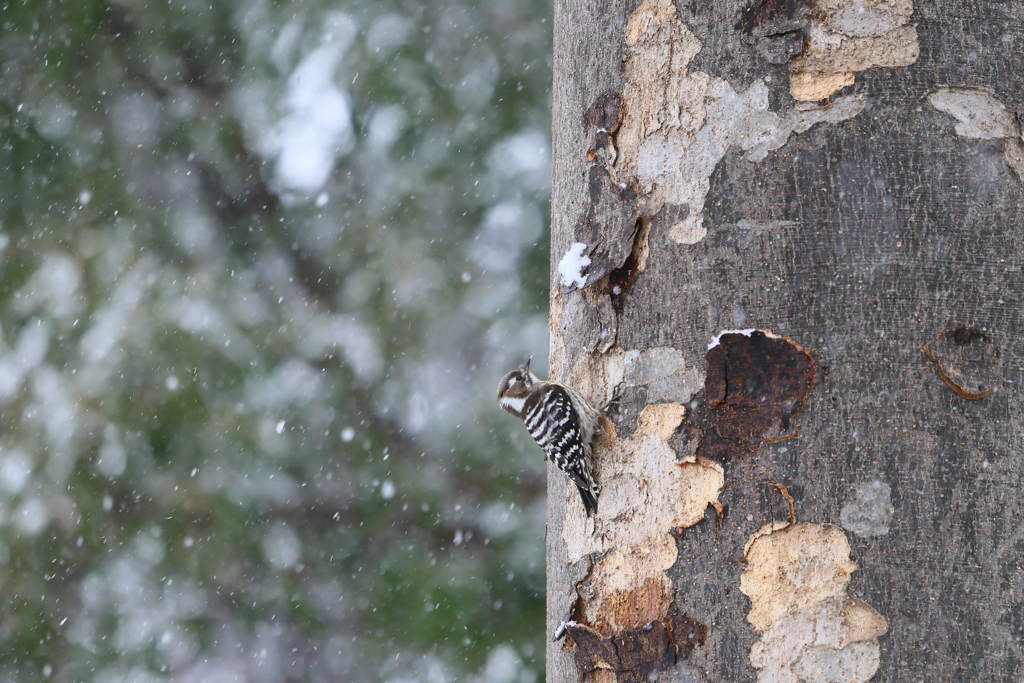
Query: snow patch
[[113, 457], [356, 340], [387, 34], [319, 123], [282, 548], [746, 333], [504, 666], [572, 264], [53, 287], [32, 516], [524, 158], [385, 127], [15, 471], [292, 382], [560, 631], [508, 229]]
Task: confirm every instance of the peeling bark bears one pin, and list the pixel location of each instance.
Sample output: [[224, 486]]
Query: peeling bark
[[967, 360], [827, 41], [796, 578], [634, 654], [852, 181]]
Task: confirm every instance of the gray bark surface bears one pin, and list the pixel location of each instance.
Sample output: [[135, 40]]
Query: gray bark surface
[[861, 240]]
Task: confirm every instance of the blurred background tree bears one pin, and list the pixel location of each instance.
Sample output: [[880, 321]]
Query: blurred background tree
[[262, 266]]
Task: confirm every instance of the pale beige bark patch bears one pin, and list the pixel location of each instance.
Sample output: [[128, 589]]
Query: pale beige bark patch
[[621, 594], [846, 36], [646, 493], [679, 124], [660, 94], [796, 579], [811, 86]]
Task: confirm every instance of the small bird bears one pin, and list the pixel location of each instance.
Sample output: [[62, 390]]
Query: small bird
[[560, 420]]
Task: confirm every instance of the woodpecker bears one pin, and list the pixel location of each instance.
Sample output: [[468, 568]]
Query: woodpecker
[[560, 420]]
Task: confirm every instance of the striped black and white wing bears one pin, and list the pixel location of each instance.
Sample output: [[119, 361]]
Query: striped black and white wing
[[553, 422]]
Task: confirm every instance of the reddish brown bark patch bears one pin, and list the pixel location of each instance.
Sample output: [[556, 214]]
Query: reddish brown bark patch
[[634, 654], [631, 608], [756, 385], [967, 360]]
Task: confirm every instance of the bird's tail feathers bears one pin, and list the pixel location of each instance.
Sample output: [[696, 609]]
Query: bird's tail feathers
[[589, 500]]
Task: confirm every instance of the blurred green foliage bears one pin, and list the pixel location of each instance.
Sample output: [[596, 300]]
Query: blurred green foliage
[[261, 266]]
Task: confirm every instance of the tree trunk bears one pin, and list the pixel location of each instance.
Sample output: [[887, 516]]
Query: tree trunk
[[831, 491]]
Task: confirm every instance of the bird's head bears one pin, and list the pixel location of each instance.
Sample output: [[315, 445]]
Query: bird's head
[[514, 387]]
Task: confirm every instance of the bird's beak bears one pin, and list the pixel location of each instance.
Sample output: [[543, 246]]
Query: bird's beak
[[526, 366]]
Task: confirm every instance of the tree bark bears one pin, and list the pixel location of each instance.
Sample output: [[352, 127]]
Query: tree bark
[[831, 491]]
